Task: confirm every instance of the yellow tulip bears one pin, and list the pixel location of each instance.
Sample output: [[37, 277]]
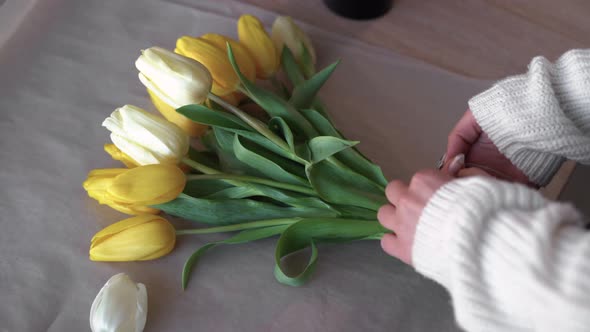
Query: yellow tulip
[[285, 32], [215, 59], [139, 238], [132, 190], [190, 127], [253, 36], [242, 55], [119, 155]]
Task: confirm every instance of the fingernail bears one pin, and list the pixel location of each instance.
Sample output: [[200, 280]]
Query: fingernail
[[457, 163], [441, 161]]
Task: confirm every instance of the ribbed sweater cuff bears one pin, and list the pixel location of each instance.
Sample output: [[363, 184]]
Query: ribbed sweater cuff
[[489, 110], [430, 254]]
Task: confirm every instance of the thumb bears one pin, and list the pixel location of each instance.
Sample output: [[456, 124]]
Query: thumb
[[464, 134]]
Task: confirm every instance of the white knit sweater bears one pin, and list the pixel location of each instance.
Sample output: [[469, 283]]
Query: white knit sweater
[[512, 260]]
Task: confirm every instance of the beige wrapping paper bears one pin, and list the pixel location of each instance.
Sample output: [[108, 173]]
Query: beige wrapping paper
[[69, 63]]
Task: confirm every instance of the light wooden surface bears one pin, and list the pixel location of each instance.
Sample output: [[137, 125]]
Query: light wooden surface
[[477, 38]]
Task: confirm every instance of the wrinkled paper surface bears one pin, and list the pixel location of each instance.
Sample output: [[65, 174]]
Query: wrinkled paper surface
[[70, 64]]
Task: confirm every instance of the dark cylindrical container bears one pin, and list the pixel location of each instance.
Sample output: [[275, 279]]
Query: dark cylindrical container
[[359, 9]]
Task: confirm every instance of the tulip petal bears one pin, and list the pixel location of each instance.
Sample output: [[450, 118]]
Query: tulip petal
[[137, 238], [190, 127], [121, 305], [177, 78], [142, 308], [243, 58], [253, 36], [215, 59], [137, 152], [160, 136], [119, 155], [286, 32], [148, 185], [123, 225], [146, 138]]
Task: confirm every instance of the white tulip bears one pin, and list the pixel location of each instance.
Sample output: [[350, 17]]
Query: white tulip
[[175, 79], [286, 32], [146, 138], [120, 306]]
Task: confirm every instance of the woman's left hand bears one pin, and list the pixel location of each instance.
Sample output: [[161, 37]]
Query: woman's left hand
[[405, 209]]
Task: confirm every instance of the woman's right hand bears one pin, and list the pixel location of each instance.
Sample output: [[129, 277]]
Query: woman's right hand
[[468, 138]]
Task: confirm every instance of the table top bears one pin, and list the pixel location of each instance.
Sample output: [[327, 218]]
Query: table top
[[65, 65], [480, 38]]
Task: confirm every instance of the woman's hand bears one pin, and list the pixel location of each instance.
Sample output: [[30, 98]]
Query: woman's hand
[[468, 138], [405, 209]]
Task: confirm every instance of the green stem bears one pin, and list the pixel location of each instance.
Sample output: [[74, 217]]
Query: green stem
[[252, 122], [340, 164], [200, 167], [377, 236], [238, 227], [238, 180], [243, 90], [253, 179]]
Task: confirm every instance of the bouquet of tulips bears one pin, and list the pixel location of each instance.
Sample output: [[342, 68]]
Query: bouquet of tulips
[[286, 171]]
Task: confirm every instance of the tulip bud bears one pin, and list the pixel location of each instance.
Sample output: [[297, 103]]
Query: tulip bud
[[146, 138], [119, 306], [138, 238], [253, 36], [132, 190], [117, 154], [286, 33], [175, 79], [241, 54], [214, 59]]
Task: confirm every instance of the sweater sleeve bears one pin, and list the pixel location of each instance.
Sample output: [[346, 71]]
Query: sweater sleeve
[[541, 118], [512, 260]]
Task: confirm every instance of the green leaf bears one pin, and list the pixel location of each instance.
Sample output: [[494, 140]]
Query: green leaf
[[204, 188], [322, 147], [269, 167], [207, 158], [264, 142], [233, 193], [233, 211], [221, 189], [227, 159], [257, 143], [304, 94], [340, 185], [307, 232], [293, 199], [242, 237], [272, 104], [351, 157], [303, 151], [354, 212], [277, 124], [204, 115], [291, 67]]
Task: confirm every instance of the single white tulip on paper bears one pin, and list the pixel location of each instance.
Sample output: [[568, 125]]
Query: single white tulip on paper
[[145, 137], [120, 306]]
